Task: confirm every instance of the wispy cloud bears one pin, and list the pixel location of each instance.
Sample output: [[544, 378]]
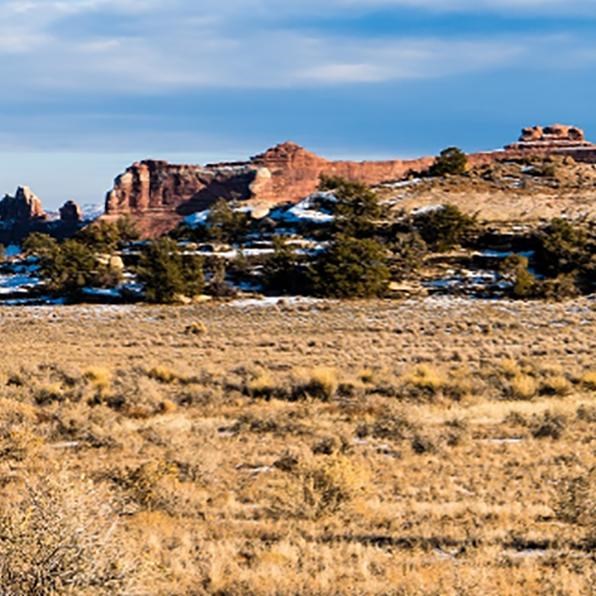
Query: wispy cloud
[[143, 46]]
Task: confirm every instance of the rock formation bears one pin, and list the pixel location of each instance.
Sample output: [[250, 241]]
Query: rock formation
[[554, 137], [24, 207], [70, 213], [23, 213], [157, 195]]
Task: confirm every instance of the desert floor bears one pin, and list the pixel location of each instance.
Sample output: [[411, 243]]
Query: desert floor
[[435, 446]]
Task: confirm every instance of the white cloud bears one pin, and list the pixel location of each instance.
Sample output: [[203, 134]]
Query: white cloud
[[144, 45]]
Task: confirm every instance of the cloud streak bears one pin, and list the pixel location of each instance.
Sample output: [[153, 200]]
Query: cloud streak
[[134, 46]]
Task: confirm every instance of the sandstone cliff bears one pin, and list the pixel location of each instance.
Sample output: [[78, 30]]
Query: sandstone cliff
[[24, 206], [157, 195], [23, 213]]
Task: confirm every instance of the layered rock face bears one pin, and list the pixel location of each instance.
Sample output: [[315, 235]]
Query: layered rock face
[[554, 136], [23, 213], [157, 195], [23, 207]]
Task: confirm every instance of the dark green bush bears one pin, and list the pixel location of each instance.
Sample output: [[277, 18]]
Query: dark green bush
[[563, 248], [104, 236], [68, 267], [357, 206], [450, 161], [284, 271], [166, 274], [525, 284], [444, 228], [351, 268]]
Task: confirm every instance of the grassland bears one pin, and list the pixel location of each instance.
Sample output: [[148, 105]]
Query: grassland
[[418, 447]]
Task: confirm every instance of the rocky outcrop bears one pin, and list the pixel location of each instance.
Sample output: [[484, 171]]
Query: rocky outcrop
[[23, 214], [70, 213], [553, 138], [157, 195], [23, 207]]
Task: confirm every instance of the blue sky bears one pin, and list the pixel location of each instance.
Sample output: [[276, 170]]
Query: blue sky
[[88, 86]]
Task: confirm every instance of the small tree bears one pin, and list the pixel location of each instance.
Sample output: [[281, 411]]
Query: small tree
[[69, 267], [166, 275], [225, 224], [443, 228], [524, 283], [40, 245], [409, 250], [105, 236], [357, 205], [218, 286], [283, 271], [562, 248], [351, 268], [450, 161]]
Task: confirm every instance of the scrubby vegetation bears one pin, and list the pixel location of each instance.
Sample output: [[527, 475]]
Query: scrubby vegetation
[[336, 448], [451, 161], [166, 275], [342, 242]]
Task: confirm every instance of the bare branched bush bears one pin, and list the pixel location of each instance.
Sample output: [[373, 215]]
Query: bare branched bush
[[61, 538]]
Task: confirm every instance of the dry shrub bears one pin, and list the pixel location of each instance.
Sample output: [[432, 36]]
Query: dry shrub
[[394, 427], [149, 485], [424, 381], [522, 386], [156, 486], [61, 537], [20, 443], [261, 384], [48, 394], [196, 328], [318, 383], [588, 380], [555, 385], [320, 487], [163, 374], [99, 377], [509, 368], [549, 425], [576, 500]]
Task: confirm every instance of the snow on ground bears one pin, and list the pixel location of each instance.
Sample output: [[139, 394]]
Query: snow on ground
[[427, 209], [269, 301], [403, 183], [197, 219], [16, 283], [310, 210], [102, 292], [12, 250]]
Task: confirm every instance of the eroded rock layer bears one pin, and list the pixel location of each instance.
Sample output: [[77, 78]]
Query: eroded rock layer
[[157, 195]]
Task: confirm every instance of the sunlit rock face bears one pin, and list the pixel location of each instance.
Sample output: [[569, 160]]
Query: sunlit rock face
[[24, 206], [556, 136], [157, 194]]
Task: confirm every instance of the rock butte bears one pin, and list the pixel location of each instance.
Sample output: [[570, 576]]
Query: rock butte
[[157, 195], [23, 214]]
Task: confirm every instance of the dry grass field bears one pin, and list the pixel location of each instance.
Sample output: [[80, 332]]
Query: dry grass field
[[420, 447]]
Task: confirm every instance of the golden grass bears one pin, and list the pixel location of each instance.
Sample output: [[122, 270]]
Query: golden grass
[[361, 448]]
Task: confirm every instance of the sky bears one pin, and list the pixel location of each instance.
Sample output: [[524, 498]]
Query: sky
[[89, 86]]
